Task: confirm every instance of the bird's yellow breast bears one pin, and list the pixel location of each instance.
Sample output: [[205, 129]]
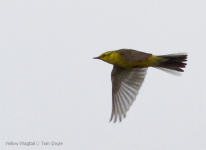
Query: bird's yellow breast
[[118, 60]]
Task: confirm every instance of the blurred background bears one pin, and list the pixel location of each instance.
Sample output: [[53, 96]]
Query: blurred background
[[52, 90]]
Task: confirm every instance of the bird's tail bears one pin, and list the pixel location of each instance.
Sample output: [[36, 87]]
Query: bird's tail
[[173, 64]]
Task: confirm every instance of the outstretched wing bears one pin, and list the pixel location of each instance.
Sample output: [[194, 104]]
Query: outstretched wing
[[125, 87]]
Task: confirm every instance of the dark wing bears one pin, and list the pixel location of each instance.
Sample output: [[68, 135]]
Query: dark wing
[[125, 87], [133, 56]]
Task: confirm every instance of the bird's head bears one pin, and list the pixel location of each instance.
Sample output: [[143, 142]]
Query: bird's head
[[105, 57]]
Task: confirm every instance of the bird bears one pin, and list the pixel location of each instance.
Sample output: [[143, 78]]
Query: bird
[[129, 71]]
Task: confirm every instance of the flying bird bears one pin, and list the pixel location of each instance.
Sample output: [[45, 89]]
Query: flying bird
[[129, 70]]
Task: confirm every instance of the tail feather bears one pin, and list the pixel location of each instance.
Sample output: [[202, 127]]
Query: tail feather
[[173, 64]]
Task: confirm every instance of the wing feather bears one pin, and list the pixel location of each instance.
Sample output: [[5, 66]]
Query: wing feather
[[124, 100], [125, 87], [122, 105]]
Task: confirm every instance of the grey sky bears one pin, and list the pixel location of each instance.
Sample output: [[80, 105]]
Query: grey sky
[[52, 90]]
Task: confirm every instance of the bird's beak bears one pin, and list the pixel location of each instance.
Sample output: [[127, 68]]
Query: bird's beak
[[96, 58]]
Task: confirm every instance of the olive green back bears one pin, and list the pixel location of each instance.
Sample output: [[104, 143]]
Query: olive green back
[[132, 56]]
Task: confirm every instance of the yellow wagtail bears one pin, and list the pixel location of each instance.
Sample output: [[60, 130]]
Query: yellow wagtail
[[129, 70]]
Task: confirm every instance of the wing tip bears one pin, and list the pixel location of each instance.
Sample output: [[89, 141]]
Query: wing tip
[[115, 118]]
